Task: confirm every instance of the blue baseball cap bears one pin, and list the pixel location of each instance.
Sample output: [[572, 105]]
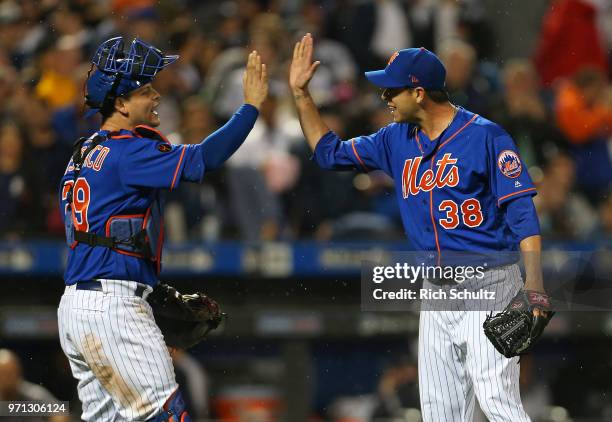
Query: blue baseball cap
[[411, 67]]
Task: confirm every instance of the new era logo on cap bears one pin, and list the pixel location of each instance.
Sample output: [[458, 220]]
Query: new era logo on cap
[[411, 67]]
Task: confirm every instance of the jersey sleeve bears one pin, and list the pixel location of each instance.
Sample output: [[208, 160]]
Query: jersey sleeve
[[152, 164], [508, 174], [363, 153]]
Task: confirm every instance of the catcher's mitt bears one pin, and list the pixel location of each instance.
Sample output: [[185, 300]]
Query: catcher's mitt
[[184, 320], [515, 330]]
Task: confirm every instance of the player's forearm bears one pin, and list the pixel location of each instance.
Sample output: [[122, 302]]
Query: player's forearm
[[312, 124], [531, 249], [221, 144]]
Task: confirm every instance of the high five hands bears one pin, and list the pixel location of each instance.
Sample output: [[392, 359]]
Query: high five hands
[[255, 81], [302, 67]]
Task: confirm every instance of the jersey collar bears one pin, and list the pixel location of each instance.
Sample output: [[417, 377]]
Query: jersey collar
[[117, 134], [428, 146]]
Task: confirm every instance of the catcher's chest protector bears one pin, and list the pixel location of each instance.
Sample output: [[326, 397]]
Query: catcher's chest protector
[[139, 235]]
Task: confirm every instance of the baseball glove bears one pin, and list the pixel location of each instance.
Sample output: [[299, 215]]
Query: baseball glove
[[515, 330], [184, 320]]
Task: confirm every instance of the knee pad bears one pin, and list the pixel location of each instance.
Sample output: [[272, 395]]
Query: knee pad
[[174, 410]]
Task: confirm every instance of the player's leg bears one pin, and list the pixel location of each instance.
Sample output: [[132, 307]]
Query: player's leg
[[97, 404], [445, 389], [116, 336], [495, 377], [144, 373]]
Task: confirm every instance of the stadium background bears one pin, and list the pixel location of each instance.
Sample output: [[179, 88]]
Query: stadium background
[[275, 239]]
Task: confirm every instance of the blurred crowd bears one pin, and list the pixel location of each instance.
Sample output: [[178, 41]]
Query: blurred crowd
[[556, 102]]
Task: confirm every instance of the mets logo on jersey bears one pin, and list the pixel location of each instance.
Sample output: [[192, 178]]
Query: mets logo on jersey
[[446, 174], [164, 147], [509, 164]]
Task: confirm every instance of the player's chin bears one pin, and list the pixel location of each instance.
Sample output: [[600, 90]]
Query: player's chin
[[153, 120], [398, 118]]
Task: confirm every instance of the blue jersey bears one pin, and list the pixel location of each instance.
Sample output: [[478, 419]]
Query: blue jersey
[[121, 177], [451, 190]]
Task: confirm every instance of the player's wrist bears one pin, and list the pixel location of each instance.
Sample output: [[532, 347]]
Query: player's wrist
[[256, 104], [534, 285], [300, 93]]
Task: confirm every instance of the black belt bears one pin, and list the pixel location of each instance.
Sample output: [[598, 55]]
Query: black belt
[[96, 285]]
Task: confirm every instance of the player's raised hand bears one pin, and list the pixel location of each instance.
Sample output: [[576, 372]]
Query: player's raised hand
[[255, 81], [302, 67]]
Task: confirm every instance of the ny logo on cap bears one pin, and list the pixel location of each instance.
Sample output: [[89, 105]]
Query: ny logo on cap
[[414, 79]]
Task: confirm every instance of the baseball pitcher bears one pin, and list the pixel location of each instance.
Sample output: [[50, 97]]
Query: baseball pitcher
[[461, 186]]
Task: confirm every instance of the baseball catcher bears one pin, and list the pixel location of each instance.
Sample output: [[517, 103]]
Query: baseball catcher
[[516, 329], [112, 202]]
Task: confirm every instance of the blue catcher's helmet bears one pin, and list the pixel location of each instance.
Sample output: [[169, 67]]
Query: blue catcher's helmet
[[119, 72]]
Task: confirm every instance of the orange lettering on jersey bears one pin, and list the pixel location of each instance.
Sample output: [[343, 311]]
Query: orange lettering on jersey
[[97, 165], [447, 174], [451, 178], [427, 181], [87, 162]]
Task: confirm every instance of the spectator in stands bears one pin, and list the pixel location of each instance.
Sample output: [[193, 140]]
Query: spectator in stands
[[15, 389], [12, 30], [133, 18], [336, 193], [68, 122], [562, 211], [569, 40], [337, 74], [171, 87], [58, 65], [464, 83], [9, 85], [20, 211], [193, 211], [523, 114], [261, 170], [47, 159], [474, 27], [583, 111], [267, 35], [189, 44]]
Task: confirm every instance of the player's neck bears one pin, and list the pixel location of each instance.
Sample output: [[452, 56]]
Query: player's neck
[[437, 119], [115, 123]]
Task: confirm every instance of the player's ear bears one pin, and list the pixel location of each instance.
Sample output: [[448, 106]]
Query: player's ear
[[121, 106], [420, 94]]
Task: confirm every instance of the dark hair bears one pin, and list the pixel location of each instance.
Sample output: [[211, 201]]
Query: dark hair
[[109, 108], [438, 95]]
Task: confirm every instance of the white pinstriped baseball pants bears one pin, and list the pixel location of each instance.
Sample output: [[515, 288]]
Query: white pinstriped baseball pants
[[116, 352], [457, 362]]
